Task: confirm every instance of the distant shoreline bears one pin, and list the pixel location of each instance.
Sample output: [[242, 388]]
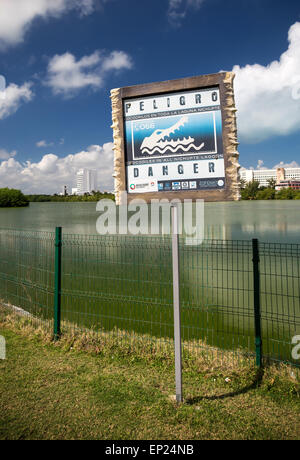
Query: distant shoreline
[[93, 197]]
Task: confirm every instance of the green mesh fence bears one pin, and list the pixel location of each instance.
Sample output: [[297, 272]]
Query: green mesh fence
[[27, 273], [280, 298], [121, 287], [217, 295]]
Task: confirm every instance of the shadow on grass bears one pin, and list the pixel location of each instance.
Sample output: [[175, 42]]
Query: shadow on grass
[[255, 384]]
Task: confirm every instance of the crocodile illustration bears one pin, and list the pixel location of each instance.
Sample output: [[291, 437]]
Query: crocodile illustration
[[158, 142]]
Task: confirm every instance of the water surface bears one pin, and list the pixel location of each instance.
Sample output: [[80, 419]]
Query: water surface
[[270, 221], [120, 283]]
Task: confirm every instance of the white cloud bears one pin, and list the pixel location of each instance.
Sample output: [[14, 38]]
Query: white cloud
[[265, 95], [177, 10], [5, 155], [117, 60], [51, 173], [292, 164], [261, 165], [43, 143], [66, 75], [2, 87], [16, 16], [85, 7], [14, 96]]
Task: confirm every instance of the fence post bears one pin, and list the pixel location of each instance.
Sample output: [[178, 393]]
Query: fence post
[[57, 283], [176, 304], [257, 312]]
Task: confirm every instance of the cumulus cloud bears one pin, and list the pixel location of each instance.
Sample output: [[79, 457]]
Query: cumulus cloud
[[5, 155], [2, 87], [116, 60], [16, 16], [85, 7], [177, 10], [265, 95], [282, 164], [260, 165], [293, 164], [14, 96], [51, 173], [67, 76], [43, 143]]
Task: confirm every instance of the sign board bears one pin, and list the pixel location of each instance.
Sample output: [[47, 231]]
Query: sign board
[[177, 139]]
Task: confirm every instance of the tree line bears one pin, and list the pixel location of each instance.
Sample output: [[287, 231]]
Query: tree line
[[253, 191], [93, 196], [12, 198]]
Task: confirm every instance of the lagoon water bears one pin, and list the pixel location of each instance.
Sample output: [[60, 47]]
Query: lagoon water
[[269, 221], [126, 283]]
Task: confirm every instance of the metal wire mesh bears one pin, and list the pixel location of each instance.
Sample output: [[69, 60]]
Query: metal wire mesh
[[118, 284], [280, 298], [27, 273], [217, 295], [121, 287]]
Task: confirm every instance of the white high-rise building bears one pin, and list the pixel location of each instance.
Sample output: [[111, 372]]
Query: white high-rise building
[[86, 181]]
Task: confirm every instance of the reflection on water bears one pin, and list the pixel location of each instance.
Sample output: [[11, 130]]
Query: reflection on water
[[125, 282], [275, 221]]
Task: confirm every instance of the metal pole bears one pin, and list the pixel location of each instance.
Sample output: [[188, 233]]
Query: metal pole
[[176, 304], [57, 285], [257, 313]]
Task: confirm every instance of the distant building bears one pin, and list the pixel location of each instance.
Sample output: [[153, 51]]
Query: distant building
[[86, 181], [65, 191], [264, 175], [293, 184]]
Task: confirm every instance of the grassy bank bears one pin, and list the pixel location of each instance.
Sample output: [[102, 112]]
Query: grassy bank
[[79, 389]]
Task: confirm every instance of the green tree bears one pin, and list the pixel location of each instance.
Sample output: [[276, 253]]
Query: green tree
[[93, 196], [243, 183], [12, 198], [266, 194], [250, 191], [272, 183], [286, 194]]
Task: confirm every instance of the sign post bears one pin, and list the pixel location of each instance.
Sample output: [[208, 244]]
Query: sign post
[[57, 283], [176, 304], [176, 140]]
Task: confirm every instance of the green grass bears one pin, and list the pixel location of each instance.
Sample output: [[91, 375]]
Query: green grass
[[75, 389]]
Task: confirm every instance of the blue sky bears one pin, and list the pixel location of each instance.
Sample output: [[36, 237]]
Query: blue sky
[[60, 58]]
